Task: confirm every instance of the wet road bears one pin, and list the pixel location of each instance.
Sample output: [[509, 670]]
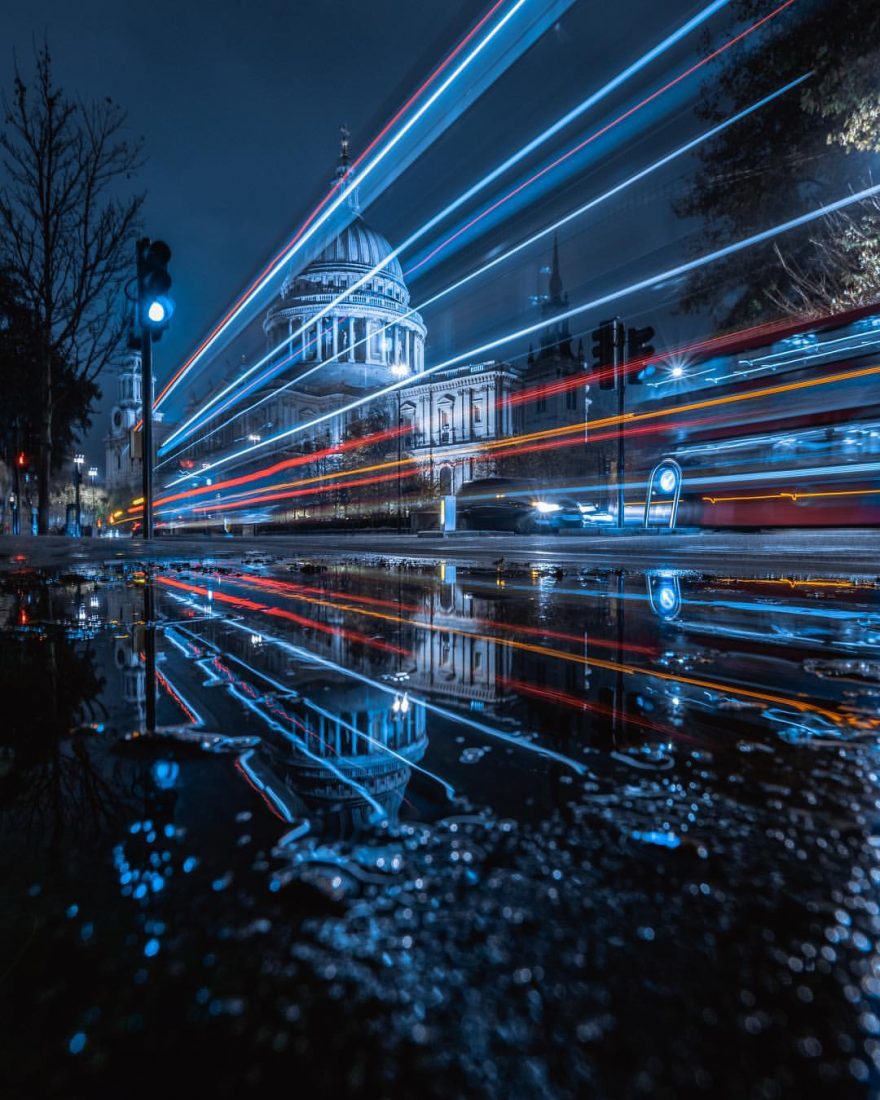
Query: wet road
[[487, 830], [833, 551]]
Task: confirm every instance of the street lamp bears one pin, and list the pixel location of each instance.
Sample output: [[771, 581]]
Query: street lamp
[[93, 473], [78, 461], [399, 370]]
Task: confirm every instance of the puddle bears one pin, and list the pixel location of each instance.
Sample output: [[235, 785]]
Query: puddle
[[508, 832]]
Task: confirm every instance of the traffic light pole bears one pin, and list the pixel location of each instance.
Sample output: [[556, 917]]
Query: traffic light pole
[[620, 387], [152, 278], [147, 440], [77, 497]]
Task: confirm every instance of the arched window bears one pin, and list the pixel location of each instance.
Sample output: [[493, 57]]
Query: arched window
[[360, 340]]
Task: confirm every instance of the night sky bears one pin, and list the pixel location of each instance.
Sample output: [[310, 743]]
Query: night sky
[[239, 107]]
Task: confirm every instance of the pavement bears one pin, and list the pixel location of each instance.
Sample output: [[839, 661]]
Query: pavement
[[829, 552]]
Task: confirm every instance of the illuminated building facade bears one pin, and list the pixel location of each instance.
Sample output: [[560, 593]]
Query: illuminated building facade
[[367, 341], [123, 473]]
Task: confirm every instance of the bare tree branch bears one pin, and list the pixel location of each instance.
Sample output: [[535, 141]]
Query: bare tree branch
[[66, 228]]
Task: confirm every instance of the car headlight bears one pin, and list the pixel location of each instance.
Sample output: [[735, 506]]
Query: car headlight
[[545, 506]]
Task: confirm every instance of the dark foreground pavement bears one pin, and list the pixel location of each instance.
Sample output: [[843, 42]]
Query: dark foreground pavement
[[831, 551]]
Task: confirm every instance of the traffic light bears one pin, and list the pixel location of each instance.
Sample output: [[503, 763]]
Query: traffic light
[[638, 346], [607, 338], [154, 283]]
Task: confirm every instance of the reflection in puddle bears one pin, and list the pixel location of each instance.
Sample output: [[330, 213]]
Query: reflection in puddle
[[471, 804]]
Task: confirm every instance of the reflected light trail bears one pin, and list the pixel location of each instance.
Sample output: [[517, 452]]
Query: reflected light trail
[[283, 589], [598, 662], [281, 613], [552, 695], [452, 716]]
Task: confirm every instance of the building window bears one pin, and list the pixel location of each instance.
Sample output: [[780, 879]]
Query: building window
[[571, 399], [541, 404]]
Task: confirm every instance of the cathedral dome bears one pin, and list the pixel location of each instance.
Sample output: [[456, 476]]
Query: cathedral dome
[[347, 311], [357, 246]]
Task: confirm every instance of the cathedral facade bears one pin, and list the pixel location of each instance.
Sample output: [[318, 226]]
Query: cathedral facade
[[366, 339]]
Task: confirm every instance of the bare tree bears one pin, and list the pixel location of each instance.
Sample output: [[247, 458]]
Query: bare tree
[[843, 270], [65, 232]]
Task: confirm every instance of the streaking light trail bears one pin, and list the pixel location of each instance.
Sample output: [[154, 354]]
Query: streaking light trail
[[530, 147], [476, 353], [599, 133], [313, 223], [502, 258]]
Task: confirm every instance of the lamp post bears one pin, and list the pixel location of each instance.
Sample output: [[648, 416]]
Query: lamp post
[[93, 473], [399, 370], [78, 461]]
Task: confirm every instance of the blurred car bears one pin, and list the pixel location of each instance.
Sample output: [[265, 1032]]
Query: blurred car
[[506, 504], [594, 516], [559, 512]]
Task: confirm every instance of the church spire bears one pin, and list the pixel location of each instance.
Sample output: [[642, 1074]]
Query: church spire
[[555, 278], [344, 160], [343, 168]]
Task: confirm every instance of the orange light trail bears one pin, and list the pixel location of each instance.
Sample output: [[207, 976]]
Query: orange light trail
[[553, 434], [794, 496], [612, 666], [284, 588], [281, 613]]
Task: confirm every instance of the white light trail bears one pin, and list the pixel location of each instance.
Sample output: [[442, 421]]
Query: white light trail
[[591, 100], [477, 353], [342, 197], [554, 227]]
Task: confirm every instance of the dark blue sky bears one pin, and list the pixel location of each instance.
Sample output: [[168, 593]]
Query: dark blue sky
[[239, 106]]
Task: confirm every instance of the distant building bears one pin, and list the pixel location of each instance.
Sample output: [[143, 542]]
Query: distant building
[[123, 473], [371, 339]]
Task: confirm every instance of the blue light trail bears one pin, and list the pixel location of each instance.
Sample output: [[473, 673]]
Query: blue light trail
[[191, 425], [344, 194], [528, 242], [478, 352]]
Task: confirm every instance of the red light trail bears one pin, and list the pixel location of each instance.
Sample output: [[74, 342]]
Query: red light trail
[[281, 613], [238, 305], [599, 133]]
